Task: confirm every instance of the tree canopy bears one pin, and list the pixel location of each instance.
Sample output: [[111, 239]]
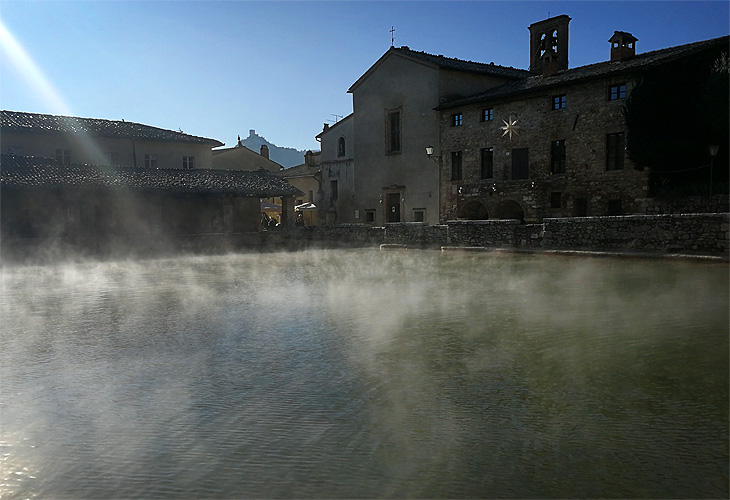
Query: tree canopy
[[673, 115]]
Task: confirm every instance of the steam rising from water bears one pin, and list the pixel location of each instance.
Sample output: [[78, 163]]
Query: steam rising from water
[[364, 373]]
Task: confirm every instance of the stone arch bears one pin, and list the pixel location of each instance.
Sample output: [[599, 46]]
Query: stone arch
[[473, 210], [509, 209]]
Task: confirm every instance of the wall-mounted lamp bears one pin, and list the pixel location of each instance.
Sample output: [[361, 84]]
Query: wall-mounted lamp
[[429, 153]]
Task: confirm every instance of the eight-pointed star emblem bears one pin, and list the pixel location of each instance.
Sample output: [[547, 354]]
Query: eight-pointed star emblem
[[510, 127]]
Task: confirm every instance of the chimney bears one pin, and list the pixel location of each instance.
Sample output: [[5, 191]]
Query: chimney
[[549, 45], [623, 46], [265, 151]]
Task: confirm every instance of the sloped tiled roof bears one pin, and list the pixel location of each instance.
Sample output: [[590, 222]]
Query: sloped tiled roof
[[17, 121], [45, 172], [591, 71], [301, 170], [462, 65], [441, 62], [242, 158]]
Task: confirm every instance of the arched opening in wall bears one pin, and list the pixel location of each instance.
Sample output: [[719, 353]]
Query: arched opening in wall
[[473, 210], [509, 209]]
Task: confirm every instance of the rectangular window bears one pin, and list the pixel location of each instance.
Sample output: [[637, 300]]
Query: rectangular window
[[580, 207], [556, 198], [487, 115], [392, 132], [419, 215], [188, 162], [559, 101], [616, 92], [557, 157], [63, 156], [615, 151], [457, 120], [487, 170], [520, 163], [370, 216], [150, 161], [456, 165]]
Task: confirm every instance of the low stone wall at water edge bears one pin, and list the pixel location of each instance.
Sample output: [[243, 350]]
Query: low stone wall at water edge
[[705, 234], [699, 234], [347, 235], [692, 234], [418, 234], [482, 233]]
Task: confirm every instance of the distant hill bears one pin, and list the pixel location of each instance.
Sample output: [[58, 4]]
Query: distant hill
[[286, 157]]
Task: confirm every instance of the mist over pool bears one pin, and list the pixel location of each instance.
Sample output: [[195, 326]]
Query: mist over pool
[[364, 374]]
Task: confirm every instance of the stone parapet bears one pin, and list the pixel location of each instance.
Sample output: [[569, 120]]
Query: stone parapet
[[418, 234], [678, 233]]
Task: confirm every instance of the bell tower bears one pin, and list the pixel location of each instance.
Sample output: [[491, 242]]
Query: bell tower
[[549, 45]]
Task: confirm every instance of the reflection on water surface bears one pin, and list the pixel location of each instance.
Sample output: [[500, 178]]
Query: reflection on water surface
[[365, 374]]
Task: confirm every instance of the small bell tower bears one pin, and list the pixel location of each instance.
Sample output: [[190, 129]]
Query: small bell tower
[[549, 45]]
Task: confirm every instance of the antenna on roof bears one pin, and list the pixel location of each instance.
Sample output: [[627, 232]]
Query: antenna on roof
[[337, 117], [392, 35]]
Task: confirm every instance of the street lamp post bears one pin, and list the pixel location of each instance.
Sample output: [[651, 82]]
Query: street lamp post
[[429, 153]]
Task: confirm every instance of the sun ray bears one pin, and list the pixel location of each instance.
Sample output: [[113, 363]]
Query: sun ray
[[37, 81], [24, 64]]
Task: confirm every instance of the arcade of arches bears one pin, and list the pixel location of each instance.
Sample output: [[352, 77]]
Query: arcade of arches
[[507, 209]]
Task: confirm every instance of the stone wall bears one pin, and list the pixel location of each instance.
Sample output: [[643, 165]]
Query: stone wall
[[482, 233], [585, 186], [706, 234], [719, 203], [418, 234], [698, 234]]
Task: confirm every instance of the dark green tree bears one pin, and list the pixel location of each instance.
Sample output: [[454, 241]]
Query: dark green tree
[[673, 114]]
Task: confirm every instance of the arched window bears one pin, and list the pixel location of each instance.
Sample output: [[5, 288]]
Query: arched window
[[341, 147]]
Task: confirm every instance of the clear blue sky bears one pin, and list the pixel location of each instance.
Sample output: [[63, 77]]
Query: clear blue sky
[[218, 69]]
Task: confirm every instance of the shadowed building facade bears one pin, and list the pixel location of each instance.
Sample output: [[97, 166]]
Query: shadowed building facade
[[393, 120], [92, 206], [553, 144]]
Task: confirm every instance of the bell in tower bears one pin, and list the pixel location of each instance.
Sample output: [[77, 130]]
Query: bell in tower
[[549, 45]]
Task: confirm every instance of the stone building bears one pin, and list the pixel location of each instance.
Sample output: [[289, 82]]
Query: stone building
[[307, 177], [48, 203], [90, 181], [239, 157], [95, 141], [393, 120], [551, 144], [338, 173]]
